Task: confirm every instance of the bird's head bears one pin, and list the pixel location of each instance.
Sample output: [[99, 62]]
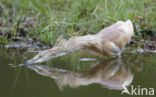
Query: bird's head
[[42, 57]]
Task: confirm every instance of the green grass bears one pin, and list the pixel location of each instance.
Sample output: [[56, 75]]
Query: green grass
[[48, 19]]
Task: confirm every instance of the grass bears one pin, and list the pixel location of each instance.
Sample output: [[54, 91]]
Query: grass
[[46, 20]]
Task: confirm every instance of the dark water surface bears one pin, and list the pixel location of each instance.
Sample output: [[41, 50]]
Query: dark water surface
[[68, 77]]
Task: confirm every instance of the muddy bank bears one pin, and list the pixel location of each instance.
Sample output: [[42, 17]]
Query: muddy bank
[[33, 43]]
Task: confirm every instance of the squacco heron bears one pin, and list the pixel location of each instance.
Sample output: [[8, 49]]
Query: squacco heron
[[109, 42]]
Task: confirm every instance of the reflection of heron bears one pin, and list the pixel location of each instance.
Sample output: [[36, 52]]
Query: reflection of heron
[[110, 74], [109, 41]]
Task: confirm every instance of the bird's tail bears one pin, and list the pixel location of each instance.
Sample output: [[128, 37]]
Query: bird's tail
[[129, 22]]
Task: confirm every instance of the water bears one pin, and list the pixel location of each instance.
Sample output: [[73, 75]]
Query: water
[[69, 77]]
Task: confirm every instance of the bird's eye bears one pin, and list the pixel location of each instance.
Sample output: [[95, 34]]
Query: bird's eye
[[39, 57]]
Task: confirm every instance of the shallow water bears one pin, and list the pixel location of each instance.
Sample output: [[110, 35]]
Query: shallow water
[[71, 76]]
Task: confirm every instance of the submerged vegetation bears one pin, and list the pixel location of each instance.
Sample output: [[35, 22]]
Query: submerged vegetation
[[45, 20]]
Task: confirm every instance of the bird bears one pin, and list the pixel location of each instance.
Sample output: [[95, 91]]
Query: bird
[[110, 41]]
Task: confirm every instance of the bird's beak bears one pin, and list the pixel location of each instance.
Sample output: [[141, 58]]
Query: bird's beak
[[46, 58], [31, 61], [39, 59]]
